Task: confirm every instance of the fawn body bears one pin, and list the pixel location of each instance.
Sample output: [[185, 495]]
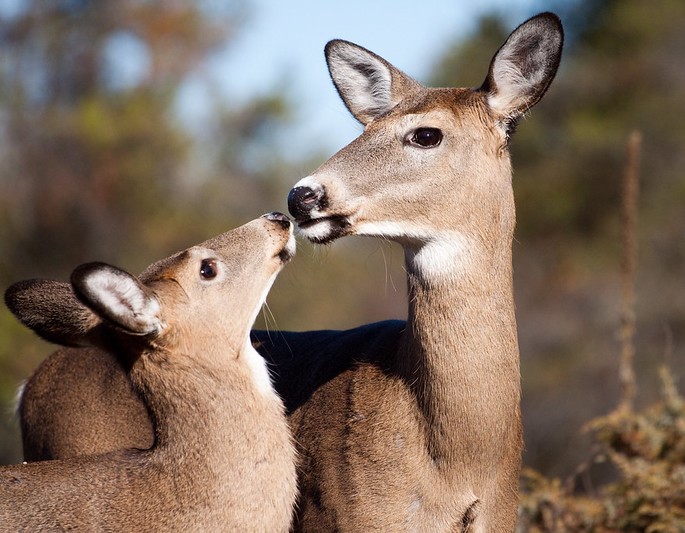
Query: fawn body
[[222, 458]]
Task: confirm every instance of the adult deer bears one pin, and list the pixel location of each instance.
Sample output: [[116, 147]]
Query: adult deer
[[401, 428], [430, 438], [223, 458]]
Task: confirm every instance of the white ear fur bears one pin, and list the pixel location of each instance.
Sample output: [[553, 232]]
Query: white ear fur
[[513, 89], [525, 65], [368, 84], [118, 298]]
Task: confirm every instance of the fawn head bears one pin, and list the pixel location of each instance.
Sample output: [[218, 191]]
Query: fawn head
[[210, 291]]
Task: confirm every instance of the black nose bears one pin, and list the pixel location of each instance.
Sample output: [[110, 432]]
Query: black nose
[[282, 219], [302, 200]]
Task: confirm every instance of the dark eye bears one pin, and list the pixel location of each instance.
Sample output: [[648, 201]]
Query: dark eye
[[208, 269], [426, 137]]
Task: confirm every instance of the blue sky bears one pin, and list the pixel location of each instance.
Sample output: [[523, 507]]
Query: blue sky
[[281, 46]]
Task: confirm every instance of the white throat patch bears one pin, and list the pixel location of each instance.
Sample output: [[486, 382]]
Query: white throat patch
[[258, 370], [255, 362], [444, 257], [435, 256]]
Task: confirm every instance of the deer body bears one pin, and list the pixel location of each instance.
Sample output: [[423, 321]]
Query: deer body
[[222, 458], [431, 438], [416, 426], [80, 401]]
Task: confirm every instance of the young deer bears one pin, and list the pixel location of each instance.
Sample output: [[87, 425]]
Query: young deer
[[222, 458], [430, 438], [402, 427]]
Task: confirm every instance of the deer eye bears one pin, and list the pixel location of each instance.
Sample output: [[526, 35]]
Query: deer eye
[[426, 137], [208, 269]]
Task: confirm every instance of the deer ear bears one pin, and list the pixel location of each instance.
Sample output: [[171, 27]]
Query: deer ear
[[524, 67], [118, 298], [51, 309], [367, 83]]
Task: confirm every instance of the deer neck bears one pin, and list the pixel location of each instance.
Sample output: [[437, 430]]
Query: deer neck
[[460, 349], [211, 400]]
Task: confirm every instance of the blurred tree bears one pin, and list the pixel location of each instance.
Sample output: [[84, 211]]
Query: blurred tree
[[92, 153], [95, 165]]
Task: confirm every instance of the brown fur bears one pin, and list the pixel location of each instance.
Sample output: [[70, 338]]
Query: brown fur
[[401, 429], [430, 438], [102, 408], [222, 458]]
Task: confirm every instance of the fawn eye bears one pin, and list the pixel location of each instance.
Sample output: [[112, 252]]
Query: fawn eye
[[208, 269], [426, 137]]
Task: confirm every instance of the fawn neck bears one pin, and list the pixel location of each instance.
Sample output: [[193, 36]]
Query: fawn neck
[[460, 350], [172, 387]]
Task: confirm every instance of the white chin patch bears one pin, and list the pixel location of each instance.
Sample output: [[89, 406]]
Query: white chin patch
[[319, 231]]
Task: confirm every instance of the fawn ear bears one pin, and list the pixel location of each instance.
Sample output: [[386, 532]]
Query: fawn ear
[[118, 298], [367, 83], [51, 309], [524, 67]]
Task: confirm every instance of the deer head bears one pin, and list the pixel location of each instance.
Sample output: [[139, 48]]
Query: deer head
[[431, 163]]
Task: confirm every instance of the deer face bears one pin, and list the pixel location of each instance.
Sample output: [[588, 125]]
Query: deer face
[[434, 164], [431, 162], [220, 284]]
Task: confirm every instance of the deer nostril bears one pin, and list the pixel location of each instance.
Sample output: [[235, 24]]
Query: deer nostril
[[302, 200]]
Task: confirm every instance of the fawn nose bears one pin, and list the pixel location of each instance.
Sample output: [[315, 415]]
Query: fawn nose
[[302, 200], [275, 216]]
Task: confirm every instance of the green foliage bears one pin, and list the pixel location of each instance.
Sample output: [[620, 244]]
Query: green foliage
[[647, 452]]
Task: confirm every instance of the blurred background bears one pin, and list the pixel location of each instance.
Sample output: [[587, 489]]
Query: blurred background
[[132, 129]]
